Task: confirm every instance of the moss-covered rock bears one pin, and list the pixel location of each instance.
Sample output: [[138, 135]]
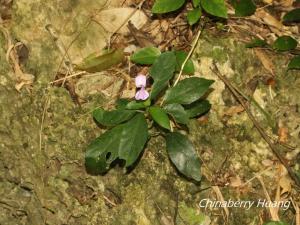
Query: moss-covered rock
[[44, 134]]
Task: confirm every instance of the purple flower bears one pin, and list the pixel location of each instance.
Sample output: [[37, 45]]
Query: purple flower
[[142, 94], [140, 82]]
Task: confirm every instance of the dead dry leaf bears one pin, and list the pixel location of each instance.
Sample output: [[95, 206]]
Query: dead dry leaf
[[268, 19], [220, 197], [267, 162], [166, 220], [12, 57], [286, 3], [285, 185], [268, 1], [142, 38], [265, 60], [235, 181], [23, 79], [274, 24], [283, 135], [273, 210], [115, 20], [234, 110], [282, 171]]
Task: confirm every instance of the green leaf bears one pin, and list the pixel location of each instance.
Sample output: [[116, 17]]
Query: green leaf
[[243, 7], [198, 108], [162, 71], [215, 7], [193, 16], [177, 112], [294, 63], [182, 153], [121, 103], [196, 3], [112, 118], [275, 223], [256, 43], [160, 116], [138, 104], [188, 67], [99, 62], [284, 43], [292, 16], [187, 90], [125, 141], [165, 6], [145, 55]]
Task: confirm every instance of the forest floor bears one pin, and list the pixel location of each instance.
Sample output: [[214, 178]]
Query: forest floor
[[46, 122]]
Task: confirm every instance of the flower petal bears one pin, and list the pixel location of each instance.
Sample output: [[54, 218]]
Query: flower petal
[[142, 94], [140, 81]]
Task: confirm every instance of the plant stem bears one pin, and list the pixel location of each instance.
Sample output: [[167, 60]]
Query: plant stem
[[190, 53]]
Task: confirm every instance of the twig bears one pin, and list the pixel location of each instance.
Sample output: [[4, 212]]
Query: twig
[[109, 201], [274, 214], [138, 7], [190, 53], [67, 77], [296, 207], [220, 197], [255, 176], [62, 48], [59, 66], [256, 124], [187, 58]]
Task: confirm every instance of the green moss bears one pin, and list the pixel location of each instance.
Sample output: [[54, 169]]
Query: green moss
[[49, 182]]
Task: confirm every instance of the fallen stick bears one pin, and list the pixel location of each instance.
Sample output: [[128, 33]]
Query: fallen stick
[[256, 124]]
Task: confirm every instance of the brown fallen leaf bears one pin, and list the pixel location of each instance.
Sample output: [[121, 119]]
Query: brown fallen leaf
[[141, 38], [220, 197], [13, 56], [5, 9], [69, 85], [252, 84], [203, 119], [285, 185], [23, 79], [275, 25], [235, 181], [268, 19], [265, 60], [166, 220], [286, 3], [268, 1], [267, 162], [234, 110], [283, 135], [272, 210]]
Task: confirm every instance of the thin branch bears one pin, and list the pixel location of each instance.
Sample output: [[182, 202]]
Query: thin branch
[[68, 77], [190, 53], [256, 124]]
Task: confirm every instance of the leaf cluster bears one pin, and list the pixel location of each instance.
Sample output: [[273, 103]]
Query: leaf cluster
[[169, 108], [216, 8], [281, 44]]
